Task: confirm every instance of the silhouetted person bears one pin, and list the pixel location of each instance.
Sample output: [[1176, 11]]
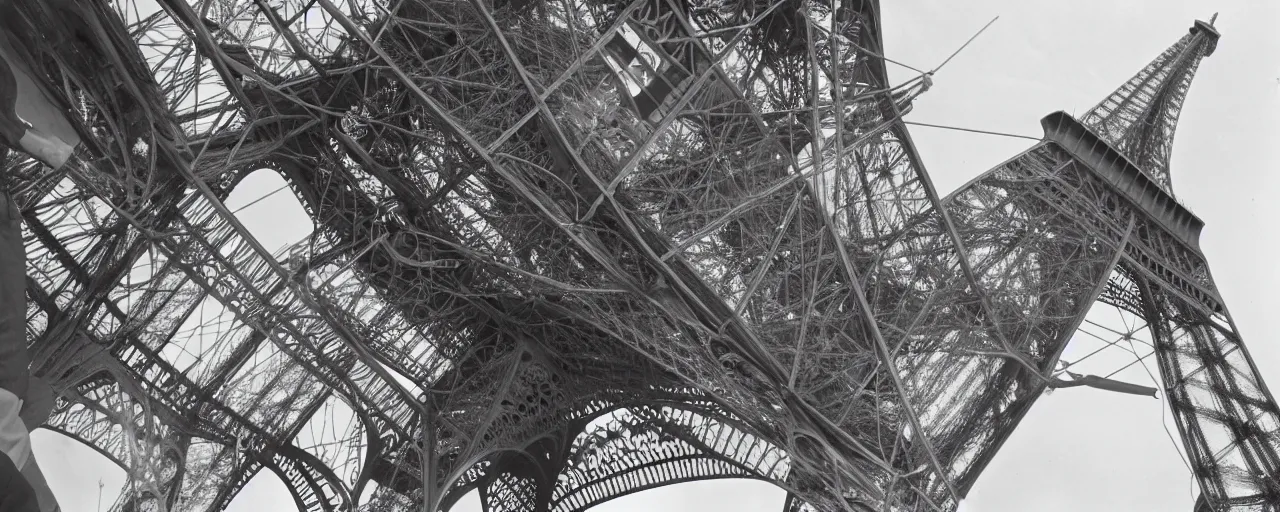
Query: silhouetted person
[[16, 385], [16, 494]]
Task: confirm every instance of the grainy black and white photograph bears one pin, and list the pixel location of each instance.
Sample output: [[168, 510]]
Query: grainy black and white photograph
[[639, 255]]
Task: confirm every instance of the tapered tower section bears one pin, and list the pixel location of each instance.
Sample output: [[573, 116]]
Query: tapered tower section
[[1228, 420], [1139, 118], [1101, 185]]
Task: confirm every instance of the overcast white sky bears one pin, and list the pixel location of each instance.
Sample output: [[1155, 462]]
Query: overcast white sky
[[1078, 449]]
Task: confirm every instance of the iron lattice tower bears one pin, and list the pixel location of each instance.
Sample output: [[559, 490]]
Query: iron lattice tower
[[1094, 205], [594, 247]]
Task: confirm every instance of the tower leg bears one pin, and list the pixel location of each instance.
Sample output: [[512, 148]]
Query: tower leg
[[1228, 420]]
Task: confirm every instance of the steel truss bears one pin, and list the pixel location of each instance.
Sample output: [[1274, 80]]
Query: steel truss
[[569, 251]]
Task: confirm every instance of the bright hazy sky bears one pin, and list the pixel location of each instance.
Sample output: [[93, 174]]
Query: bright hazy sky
[[1079, 448]]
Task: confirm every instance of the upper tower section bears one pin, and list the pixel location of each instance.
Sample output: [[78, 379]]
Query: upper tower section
[[1139, 118]]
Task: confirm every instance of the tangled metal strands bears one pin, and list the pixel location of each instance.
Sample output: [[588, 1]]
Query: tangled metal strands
[[569, 251], [463, 294]]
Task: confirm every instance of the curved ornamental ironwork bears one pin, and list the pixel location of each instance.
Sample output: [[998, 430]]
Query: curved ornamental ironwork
[[564, 252]]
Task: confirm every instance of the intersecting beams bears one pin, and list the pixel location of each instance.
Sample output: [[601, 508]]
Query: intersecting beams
[[529, 213]]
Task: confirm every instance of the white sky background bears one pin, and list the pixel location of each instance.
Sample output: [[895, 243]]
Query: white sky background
[[1079, 448]]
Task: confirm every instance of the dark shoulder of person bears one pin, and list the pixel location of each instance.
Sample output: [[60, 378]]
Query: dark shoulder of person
[[16, 494]]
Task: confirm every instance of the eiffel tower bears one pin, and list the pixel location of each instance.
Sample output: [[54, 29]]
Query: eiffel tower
[[1104, 182], [565, 252]]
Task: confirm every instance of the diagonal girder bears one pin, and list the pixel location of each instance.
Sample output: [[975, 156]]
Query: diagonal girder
[[528, 212]]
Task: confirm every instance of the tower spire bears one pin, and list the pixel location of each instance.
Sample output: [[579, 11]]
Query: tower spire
[[1139, 118]]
